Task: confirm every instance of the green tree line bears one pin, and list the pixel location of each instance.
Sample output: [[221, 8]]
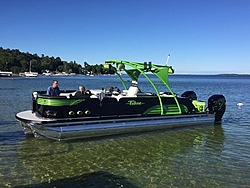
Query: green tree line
[[18, 62]]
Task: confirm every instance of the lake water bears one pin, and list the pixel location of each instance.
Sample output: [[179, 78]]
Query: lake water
[[199, 156]]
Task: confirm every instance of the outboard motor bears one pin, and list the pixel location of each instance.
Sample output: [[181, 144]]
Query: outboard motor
[[189, 94], [217, 106]]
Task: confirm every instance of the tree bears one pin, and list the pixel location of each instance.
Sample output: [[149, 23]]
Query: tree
[[17, 62]]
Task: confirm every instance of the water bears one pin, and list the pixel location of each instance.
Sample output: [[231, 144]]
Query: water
[[200, 156]]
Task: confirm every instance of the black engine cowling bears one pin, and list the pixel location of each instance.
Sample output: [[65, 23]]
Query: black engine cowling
[[217, 106]]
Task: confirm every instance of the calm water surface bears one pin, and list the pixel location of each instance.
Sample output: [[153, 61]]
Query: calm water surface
[[200, 156]]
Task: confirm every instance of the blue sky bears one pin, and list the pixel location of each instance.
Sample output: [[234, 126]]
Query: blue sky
[[201, 36]]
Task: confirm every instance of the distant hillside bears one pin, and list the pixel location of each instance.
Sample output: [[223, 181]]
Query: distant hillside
[[234, 74], [17, 62]]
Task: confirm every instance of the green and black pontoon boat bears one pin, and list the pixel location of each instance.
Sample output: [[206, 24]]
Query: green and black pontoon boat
[[114, 111]]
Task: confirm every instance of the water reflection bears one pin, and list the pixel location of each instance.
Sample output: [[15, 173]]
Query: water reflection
[[131, 156], [90, 180], [215, 139]]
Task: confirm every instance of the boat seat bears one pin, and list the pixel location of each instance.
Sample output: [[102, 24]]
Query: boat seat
[[67, 94], [145, 94]]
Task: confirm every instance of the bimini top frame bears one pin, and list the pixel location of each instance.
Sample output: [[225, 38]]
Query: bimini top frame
[[135, 69]]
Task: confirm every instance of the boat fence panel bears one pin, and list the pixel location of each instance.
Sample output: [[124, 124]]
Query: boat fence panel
[[109, 107]]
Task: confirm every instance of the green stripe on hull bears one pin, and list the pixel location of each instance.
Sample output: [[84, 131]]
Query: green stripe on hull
[[167, 109], [59, 102]]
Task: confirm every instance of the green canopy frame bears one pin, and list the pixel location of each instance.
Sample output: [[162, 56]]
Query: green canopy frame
[[135, 69]]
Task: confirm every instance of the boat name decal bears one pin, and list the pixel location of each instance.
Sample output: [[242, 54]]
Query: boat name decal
[[77, 102], [134, 103]]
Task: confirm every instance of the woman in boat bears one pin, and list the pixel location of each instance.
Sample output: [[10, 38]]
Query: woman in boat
[[53, 90]]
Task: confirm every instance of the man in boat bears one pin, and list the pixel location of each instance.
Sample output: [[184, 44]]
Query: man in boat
[[53, 90]]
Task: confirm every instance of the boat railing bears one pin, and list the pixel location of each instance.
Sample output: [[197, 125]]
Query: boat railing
[[96, 93]]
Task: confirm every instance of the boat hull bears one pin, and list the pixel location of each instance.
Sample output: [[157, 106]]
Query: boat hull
[[67, 130], [5, 74], [31, 74]]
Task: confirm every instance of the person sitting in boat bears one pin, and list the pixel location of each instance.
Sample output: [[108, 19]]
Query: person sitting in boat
[[81, 91], [53, 90]]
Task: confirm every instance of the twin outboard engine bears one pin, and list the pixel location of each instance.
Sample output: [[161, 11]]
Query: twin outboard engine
[[217, 106]]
